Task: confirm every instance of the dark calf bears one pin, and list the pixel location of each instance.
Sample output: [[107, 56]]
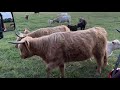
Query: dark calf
[[82, 24], [26, 17], [72, 27]]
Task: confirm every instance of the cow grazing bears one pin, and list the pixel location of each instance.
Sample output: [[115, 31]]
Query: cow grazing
[[82, 24], [61, 19], [62, 14], [42, 32], [61, 47], [112, 45]]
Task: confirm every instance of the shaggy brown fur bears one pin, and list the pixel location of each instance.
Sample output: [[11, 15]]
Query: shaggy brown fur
[[58, 48], [44, 31]]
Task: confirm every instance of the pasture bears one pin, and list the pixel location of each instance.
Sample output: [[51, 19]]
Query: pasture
[[12, 66]]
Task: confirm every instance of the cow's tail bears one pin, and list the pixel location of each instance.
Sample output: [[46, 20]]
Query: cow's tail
[[105, 59]]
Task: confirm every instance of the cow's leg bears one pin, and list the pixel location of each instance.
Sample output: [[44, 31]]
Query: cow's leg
[[50, 66], [99, 56], [80, 28], [48, 72], [105, 59], [83, 27], [99, 63], [61, 67]]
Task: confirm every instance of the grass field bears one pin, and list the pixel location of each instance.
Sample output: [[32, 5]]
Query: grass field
[[12, 66]]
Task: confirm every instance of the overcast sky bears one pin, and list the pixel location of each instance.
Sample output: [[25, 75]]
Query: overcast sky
[[6, 15]]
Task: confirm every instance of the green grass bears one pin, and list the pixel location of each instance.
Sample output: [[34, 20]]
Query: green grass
[[12, 66]]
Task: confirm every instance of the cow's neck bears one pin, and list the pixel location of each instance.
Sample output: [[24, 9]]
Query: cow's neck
[[38, 47]]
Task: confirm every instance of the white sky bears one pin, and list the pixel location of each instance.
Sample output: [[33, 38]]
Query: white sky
[[6, 15]]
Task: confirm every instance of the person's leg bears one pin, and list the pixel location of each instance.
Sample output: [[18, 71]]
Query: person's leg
[[5, 29], [1, 35]]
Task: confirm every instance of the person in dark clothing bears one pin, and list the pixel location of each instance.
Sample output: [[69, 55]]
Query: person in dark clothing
[[1, 26]]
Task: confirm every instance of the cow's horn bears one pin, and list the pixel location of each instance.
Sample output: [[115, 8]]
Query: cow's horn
[[16, 42], [118, 30], [20, 35]]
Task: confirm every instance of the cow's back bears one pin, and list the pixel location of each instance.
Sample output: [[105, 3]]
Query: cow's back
[[76, 45]]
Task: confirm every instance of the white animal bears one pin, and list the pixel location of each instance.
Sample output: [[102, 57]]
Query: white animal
[[61, 19], [111, 46]]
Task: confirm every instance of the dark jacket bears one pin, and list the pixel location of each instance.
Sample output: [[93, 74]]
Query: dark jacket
[[1, 26]]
